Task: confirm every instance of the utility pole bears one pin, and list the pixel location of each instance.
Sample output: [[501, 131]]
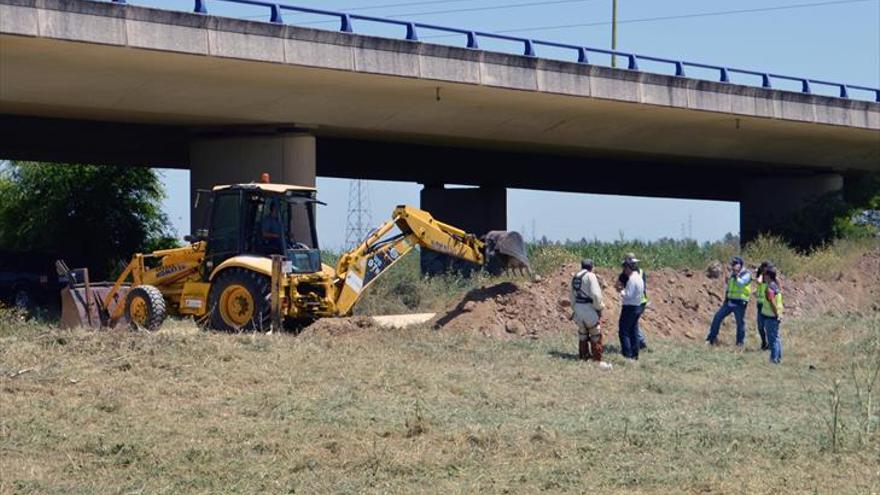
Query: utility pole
[[614, 31]]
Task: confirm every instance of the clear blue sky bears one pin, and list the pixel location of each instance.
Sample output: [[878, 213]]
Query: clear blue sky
[[838, 42]]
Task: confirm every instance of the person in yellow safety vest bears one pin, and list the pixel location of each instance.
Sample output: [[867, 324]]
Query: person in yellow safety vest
[[762, 287], [739, 290], [640, 335], [586, 302], [772, 311]]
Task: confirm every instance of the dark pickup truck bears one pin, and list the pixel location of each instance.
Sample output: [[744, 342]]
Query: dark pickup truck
[[29, 280]]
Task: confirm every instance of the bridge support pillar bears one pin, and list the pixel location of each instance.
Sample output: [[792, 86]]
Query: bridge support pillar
[[477, 210], [767, 204], [288, 158]]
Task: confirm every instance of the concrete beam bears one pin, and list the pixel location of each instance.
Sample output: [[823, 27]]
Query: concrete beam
[[595, 173], [189, 33], [95, 142], [474, 210], [104, 61], [108, 143]]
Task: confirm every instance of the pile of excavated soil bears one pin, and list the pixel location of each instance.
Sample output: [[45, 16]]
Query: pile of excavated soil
[[507, 309], [340, 326], [682, 302]]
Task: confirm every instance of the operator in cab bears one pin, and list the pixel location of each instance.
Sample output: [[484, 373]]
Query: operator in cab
[[272, 230]]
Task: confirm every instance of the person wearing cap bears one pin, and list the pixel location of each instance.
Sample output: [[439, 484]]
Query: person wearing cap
[[772, 311], [762, 288], [739, 290], [586, 301], [630, 310], [643, 344]]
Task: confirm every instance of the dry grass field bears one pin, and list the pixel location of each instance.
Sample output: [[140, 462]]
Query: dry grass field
[[420, 411]]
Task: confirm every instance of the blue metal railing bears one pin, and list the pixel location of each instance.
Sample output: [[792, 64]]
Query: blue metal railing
[[582, 52]]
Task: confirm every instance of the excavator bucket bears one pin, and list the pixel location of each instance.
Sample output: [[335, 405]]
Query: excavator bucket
[[506, 250]]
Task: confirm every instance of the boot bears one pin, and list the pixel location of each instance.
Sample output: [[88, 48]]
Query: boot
[[598, 348], [584, 349]]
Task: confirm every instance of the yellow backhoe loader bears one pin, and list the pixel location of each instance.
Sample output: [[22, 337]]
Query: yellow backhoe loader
[[258, 266]]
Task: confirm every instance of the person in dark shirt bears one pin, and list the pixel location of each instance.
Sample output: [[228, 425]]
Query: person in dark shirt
[[272, 229]]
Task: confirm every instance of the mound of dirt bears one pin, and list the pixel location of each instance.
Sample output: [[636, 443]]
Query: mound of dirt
[[682, 302], [507, 310], [340, 326], [855, 289]]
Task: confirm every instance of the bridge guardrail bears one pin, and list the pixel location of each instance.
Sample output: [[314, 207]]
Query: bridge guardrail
[[472, 38]]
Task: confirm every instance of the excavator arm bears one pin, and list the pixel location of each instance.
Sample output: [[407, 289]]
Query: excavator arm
[[358, 268]]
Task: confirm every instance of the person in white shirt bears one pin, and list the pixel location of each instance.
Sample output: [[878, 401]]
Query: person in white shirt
[[586, 301], [630, 311]]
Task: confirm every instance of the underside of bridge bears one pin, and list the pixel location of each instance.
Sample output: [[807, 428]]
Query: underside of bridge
[[117, 84], [215, 155]]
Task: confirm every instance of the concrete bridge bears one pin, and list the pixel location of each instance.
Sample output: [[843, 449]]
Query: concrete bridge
[[229, 98]]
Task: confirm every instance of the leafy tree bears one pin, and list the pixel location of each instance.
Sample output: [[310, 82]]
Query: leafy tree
[[95, 216]]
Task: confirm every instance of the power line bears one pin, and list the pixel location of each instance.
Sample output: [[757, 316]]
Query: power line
[[494, 7], [383, 6], [589, 24], [404, 4], [687, 16], [449, 11]]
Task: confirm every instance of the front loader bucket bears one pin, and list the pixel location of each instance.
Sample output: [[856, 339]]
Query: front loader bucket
[[80, 306], [506, 250]]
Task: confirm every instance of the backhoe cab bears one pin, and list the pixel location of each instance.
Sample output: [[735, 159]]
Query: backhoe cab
[[263, 220], [225, 276]]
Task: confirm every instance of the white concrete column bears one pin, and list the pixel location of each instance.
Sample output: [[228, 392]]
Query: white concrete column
[[299, 158], [287, 158]]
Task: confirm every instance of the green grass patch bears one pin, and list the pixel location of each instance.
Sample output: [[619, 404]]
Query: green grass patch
[[185, 411]]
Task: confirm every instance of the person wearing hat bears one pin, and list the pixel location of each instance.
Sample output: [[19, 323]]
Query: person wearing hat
[[762, 288], [739, 290], [630, 310], [772, 311], [643, 344], [586, 301]]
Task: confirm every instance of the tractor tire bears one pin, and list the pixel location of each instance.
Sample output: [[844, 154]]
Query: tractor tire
[[240, 301], [145, 308]]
